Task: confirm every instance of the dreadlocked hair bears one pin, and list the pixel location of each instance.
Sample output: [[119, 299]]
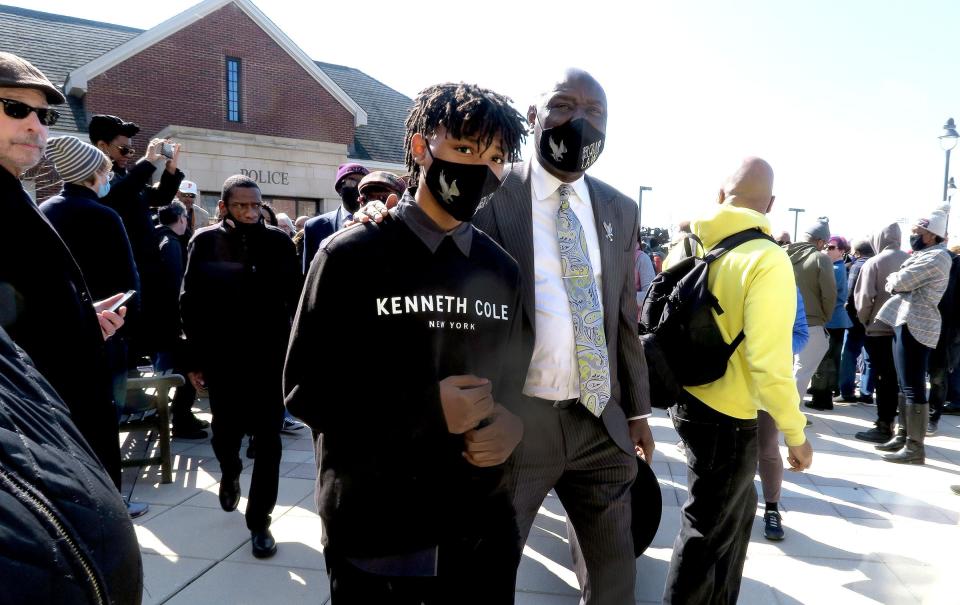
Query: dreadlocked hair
[[465, 111]]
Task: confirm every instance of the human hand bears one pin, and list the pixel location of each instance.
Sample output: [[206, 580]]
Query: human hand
[[466, 400], [800, 457], [110, 321], [152, 154], [642, 439], [374, 211], [493, 444], [197, 380]]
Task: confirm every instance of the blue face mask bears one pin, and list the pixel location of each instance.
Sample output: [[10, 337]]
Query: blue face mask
[[104, 190]]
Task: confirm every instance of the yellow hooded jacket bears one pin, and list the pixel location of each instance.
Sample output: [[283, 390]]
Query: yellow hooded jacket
[[756, 289]]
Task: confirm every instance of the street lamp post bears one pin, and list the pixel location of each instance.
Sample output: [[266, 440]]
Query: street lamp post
[[948, 141], [640, 204], [951, 189], [796, 218]]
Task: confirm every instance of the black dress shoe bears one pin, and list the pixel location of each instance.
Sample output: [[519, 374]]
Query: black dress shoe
[[229, 494], [263, 544]]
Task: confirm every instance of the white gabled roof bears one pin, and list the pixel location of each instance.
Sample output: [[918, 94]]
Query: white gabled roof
[[78, 79]]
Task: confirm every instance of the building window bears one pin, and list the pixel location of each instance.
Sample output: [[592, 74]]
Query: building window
[[233, 89]]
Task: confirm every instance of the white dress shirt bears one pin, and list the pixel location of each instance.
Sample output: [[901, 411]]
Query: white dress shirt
[[553, 373]]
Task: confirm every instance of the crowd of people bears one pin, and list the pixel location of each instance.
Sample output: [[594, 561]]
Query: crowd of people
[[507, 365]]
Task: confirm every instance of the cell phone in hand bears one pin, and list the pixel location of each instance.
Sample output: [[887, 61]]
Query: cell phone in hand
[[123, 300], [166, 150]]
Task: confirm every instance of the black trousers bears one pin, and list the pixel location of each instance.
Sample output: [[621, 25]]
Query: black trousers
[[939, 374], [469, 572], [910, 358], [242, 406], [182, 403], [826, 380], [880, 350], [709, 552]]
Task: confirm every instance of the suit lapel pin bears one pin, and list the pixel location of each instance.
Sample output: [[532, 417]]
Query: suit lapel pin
[[609, 229]]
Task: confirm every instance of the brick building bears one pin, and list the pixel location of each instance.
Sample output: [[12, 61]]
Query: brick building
[[224, 81]]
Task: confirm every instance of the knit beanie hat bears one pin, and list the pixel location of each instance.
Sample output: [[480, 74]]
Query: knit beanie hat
[[74, 160], [820, 229], [936, 221], [346, 170]]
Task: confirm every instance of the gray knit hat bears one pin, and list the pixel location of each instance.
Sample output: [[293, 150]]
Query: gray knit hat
[[74, 160], [820, 229]]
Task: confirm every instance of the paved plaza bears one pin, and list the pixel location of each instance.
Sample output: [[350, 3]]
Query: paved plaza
[[859, 530]]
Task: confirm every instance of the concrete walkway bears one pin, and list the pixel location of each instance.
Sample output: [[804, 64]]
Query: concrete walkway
[[859, 530]]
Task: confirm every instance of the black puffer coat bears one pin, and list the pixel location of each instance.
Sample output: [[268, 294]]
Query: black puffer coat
[[65, 536]]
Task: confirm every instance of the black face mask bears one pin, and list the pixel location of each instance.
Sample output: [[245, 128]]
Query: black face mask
[[460, 188], [916, 243], [572, 146], [351, 198]]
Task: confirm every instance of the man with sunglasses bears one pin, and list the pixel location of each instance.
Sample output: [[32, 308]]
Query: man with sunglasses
[[45, 305], [197, 217], [132, 197]]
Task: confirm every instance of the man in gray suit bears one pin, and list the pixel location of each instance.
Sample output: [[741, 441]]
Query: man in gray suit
[[586, 396]]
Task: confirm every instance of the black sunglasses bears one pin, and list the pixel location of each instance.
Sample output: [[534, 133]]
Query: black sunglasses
[[19, 111], [124, 149]]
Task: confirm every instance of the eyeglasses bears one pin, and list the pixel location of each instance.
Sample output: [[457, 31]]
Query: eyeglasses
[[124, 150], [188, 195], [244, 207], [19, 111], [831, 247]]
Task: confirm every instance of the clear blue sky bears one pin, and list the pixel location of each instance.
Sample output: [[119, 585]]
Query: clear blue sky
[[845, 98]]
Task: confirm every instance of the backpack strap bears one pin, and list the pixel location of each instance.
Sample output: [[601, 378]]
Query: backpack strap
[[732, 241], [689, 244], [727, 244]]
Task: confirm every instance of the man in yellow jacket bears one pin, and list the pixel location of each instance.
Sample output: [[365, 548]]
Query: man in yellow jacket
[[755, 286]]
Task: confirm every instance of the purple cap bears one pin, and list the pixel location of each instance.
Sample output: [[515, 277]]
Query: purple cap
[[346, 170]]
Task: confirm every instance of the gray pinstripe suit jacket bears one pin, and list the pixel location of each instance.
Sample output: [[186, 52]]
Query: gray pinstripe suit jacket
[[508, 219]]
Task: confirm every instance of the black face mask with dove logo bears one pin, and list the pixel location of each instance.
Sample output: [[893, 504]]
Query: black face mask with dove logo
[[572, 146], [460, 188]]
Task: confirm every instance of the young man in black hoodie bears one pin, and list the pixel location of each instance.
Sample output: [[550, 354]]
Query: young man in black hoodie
[[411, 486]]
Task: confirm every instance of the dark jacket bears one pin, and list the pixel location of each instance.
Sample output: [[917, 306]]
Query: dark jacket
[[47, 310], [949, 343], [172, 257], [507, 219], [239, 295], [64, 530], [318, 229], [852, 276], [97, 240], [132, 197]]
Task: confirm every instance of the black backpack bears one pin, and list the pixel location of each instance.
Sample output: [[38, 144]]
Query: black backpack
[[680, 338]]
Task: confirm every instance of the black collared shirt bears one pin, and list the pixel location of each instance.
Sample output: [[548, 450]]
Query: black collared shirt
[[428, 231]]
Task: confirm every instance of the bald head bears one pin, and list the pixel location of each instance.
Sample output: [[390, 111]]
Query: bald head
[[575, 78], [751, 186]]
